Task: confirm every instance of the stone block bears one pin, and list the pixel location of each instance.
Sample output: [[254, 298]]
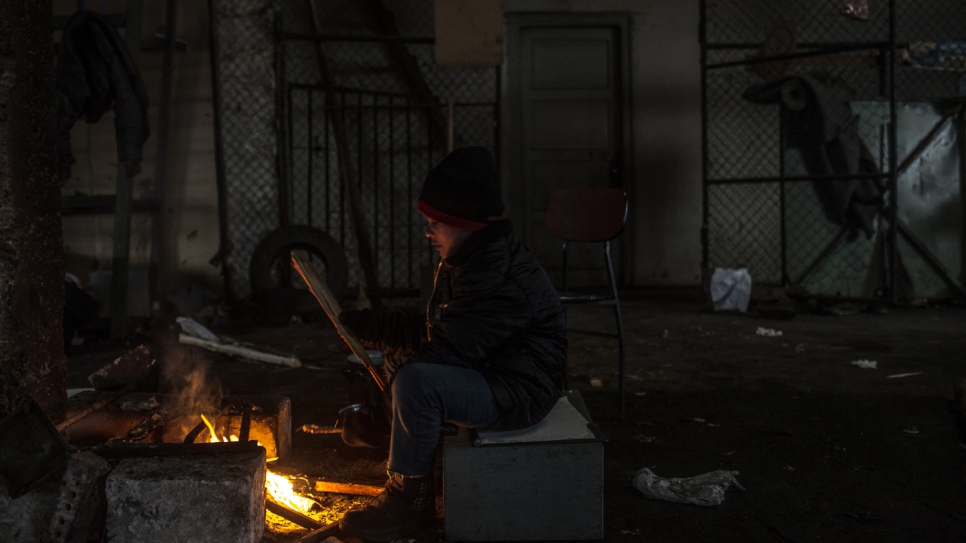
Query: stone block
[[548, 490], [187, 498], [27, 519]]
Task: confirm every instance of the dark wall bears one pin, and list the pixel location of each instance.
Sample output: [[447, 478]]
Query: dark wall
[[31, 247]]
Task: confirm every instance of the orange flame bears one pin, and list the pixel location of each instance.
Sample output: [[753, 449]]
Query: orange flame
[[278, 486]]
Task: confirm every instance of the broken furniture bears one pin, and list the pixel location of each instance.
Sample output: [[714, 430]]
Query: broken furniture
[[542, 483], [591, 215]]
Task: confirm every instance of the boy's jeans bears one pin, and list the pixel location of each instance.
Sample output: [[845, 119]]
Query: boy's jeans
[[423, 396]]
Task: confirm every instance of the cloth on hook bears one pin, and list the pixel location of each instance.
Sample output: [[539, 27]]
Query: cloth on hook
[[94, 73]]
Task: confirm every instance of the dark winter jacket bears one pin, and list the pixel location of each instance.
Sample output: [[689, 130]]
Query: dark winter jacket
[[95, 71], [493, 309]]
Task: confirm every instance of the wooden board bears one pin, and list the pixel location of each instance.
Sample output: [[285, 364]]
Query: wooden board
[[321, 291]]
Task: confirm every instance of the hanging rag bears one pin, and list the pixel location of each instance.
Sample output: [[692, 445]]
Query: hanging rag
[[94, 73]]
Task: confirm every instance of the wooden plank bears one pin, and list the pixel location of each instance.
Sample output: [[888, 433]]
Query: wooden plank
[[350, 180], [321, 291], [381, 21], [352, 489], [237, 350], [294, 516]]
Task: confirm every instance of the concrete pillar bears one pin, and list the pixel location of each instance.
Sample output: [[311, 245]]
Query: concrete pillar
[[31, 247]]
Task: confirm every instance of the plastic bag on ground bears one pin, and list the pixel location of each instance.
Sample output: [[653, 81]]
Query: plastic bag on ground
[[705, 489], [730, 289]]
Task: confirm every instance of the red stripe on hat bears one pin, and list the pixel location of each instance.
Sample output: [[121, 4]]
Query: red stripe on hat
[[447, 219]]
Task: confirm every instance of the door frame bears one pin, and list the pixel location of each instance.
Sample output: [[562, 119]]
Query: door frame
[[511, 121]]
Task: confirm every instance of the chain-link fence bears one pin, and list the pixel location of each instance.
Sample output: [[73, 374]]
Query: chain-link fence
[[833, 144], [243, 71], [359, 100]]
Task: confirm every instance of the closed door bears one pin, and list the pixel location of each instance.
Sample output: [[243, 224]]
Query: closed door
[[570, 129]]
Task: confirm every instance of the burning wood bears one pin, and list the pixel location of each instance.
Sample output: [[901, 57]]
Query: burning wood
[[279, 487]]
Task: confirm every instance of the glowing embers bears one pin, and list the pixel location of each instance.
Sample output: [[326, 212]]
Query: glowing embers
[[282, 492]]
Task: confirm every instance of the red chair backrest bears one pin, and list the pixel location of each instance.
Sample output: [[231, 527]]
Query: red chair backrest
[[591, 214]]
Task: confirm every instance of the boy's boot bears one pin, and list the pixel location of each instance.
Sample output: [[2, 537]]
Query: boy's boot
[[407, 505]]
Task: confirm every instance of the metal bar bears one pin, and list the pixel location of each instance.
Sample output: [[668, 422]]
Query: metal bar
[[790, 56], [220, 180], [961, 134], [620, 328], [704, 140], [781, 195], [392, 196], [496, 118], [826, 252], [321, 534], [375, 180], [566, 249], [289, 126], [117, 20], [409, 186], [143, 450], [161, 160], [355, 38], [327, 177], [120, 255], [927, 140], [805, 45], [282, 142], [930, 258], [102, 204], [244, 429], [893, 241], [796, 178], [429, 161], [308, 178]]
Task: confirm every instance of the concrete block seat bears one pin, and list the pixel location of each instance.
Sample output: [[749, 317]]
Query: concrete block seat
[[544, 483]]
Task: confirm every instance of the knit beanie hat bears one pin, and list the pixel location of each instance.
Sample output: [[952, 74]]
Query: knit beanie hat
[[463, 190]]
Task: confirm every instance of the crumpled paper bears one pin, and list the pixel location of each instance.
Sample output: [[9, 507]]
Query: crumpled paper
[[705, 489]]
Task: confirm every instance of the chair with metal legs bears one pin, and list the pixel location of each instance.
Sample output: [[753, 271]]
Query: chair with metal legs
[[591, 215]]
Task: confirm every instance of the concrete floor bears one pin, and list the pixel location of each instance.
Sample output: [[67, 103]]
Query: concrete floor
[[825, 450]]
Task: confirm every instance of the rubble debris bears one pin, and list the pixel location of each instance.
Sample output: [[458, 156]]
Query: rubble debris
[[706, 489], [866, 364], [900, 375], [136, 367], [319, 429], [770, 332], [196, 329]]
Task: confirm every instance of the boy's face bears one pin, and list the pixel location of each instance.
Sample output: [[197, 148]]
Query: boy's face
[[445, 239]]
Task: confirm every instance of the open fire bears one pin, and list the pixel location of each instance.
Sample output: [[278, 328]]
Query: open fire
[[279, 487]]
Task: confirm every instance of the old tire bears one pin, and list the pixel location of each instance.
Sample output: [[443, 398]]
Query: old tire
[[307, 238]]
